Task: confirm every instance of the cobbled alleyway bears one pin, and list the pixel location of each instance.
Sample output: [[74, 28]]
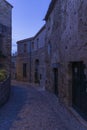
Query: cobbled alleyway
[[30, 109]]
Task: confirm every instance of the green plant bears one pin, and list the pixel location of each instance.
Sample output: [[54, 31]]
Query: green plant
[[3, 75]]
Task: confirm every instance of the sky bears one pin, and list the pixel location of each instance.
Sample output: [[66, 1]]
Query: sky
[[27, 18]]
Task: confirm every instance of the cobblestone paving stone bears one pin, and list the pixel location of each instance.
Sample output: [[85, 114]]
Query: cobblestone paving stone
[[29, 109]]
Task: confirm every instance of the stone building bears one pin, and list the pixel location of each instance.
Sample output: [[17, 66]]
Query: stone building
[[31, 59], [66, 56], [38, 58], [58, 57], [24, 59], [5, 34], [52, 46], [5, 48]]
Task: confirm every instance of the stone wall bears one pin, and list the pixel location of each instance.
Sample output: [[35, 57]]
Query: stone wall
[[40, 56], [39, 39], [5, 47], [73, 42], [68, 37], [6, 32], [24, 56], [36, 46], [5, 15], [20, 61], [4, 91], [53, 36]]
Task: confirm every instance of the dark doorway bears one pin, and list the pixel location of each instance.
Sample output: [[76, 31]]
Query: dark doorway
[[24, 70], [79, 87], [37, 71], [55, 84]]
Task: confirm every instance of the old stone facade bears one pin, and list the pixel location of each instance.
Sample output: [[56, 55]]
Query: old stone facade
[[58, 53], [24, 59], [66, 66], [31, 59], [52, 47], [5, 48], [38, 58], [5, 34]]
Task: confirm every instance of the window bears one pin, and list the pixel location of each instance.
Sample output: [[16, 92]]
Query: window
[[32, 45], [3, 29], [49, 49], [25, 47], [37, 71], [24, 70]]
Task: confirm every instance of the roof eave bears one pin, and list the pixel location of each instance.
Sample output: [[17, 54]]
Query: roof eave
[[8, 3], [50, 8], [24, 40], [43, 27]]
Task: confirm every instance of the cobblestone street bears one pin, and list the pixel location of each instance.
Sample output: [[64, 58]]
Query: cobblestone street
[[30, 109]]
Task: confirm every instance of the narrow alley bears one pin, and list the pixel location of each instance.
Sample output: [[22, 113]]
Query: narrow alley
[[30, 109]]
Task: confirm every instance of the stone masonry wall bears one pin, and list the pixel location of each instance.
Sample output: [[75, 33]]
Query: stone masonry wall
[[40, 56], [53, 35], [20, 61], [68, 38], [73, 41], [37, 52], [5, 31], [4, 91]]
